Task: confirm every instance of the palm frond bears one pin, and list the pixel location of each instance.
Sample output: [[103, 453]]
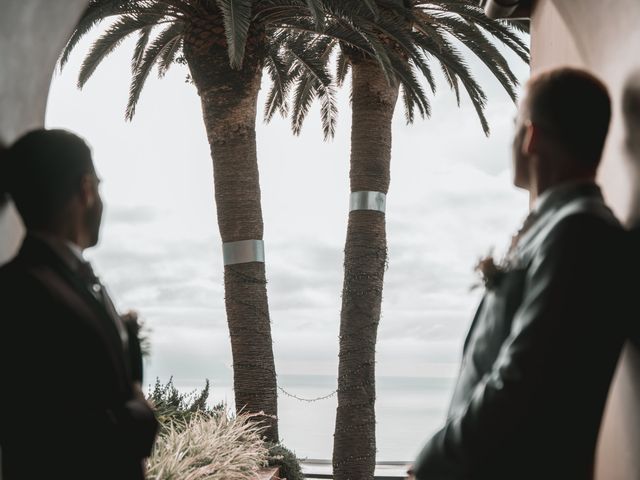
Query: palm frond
[[317, 12], [141, 45], [522, 26], [452, 80], [95, 12], [237, 20], [455, 67], [506, 32], [310, 58], [371, 5], [472, 38], [328, 110], [154, 53], [278, 72], [303, 97], [342, 67], [406, 76], [168, 55], [409, 106], [424, 67], [109, 41]]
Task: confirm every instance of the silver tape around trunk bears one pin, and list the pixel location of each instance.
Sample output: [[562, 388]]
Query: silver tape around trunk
[[243, 251], [368, 201]]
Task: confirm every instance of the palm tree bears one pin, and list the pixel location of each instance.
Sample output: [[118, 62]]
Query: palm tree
[[225, 44], [411, 36]]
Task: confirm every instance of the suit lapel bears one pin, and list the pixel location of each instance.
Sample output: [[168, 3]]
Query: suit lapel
[[474, 322], [58, 277]]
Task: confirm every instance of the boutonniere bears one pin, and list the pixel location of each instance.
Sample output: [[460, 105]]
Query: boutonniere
[[490, 272]]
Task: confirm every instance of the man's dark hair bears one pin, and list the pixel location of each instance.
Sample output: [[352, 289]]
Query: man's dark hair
[[574, 106], [41, 171]]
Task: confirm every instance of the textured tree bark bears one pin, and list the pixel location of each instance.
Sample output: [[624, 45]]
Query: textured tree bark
[[374, 100], [229, 99]]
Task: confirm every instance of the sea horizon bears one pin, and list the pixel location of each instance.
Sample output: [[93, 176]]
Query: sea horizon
[[409, 409]]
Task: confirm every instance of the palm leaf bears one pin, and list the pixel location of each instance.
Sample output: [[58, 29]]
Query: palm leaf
[[342, 67], [154, 53], [310, 58], [371, 5], [452, 80], [472, 38], [506, 32], [455, 66], [328, 110], [237, 20], [409, 106], [141, 45], [277, 70], [302, 99], [168, 55], [95, 12], [109, 41], [317, 11]]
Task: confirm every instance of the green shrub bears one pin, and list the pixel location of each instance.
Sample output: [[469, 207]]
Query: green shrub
[[173, 407], [281, 456], [201, 442]]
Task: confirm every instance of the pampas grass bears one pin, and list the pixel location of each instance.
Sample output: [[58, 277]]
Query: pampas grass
[[218, 447]]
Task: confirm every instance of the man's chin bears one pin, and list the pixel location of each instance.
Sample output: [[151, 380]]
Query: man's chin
[[520, 183], [94, 241]]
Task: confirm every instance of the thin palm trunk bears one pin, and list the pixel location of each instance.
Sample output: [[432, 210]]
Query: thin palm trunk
[[229, 99], [373, 104]]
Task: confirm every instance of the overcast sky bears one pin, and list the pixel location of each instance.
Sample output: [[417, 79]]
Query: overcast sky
[[450, 201]]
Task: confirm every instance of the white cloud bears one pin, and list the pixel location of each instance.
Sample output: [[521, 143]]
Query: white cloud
[[450, 200]]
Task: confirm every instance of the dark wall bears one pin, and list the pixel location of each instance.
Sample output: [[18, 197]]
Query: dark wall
[[603, 37]]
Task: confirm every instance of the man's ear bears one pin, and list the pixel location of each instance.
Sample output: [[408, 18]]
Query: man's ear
[[88, 192], [530, 140]]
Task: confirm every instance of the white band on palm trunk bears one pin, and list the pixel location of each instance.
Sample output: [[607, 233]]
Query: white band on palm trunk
[[368, 201], [243, 251]]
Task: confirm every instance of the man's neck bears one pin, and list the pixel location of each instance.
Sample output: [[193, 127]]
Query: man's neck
[[59, 240], [66, 232], [541, 187], [544, 198]]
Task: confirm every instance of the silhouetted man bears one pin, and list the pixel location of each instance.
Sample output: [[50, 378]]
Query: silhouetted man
[[543, 346], [631, 116], [71, 405]]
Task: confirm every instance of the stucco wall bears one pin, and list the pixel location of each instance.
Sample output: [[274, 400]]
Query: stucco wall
[[32, 34], [603, 38]]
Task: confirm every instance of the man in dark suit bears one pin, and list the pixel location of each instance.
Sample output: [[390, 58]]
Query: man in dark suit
[[71, 405], [543, 346]]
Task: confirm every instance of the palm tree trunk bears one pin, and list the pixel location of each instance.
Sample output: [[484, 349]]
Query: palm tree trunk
[[229, 99], [373, 104]]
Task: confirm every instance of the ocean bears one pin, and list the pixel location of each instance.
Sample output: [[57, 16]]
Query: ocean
[[408, 411]]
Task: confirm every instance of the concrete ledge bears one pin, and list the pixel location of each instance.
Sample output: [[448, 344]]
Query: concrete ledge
[[322, 469]]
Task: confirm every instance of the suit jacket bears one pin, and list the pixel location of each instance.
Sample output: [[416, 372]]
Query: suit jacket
[[68, 408], [632, 287], [540, 353]]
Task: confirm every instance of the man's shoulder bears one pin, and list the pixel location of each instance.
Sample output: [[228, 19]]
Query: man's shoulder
[[585, 223], [581, 229], [21, 280], [10, 273], [581, 222]]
